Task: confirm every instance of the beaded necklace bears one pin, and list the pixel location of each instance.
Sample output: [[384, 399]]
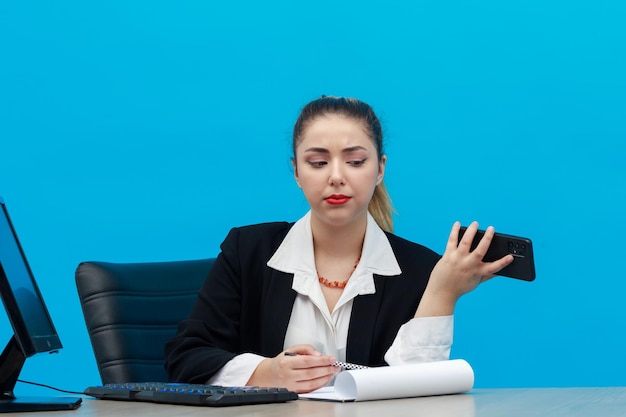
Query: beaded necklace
[[337, 284]]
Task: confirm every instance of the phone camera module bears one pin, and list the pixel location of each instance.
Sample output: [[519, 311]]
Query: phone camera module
[[516, 248]]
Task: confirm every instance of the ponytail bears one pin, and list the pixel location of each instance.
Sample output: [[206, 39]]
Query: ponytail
[[380, 208]]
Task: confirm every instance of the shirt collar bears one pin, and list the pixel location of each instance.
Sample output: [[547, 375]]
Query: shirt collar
[[295, 256]]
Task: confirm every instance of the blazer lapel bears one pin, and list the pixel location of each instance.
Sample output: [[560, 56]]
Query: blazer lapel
[[278, 299], [363, 324]]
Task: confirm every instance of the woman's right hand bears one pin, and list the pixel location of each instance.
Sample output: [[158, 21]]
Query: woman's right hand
[[307, 371], [459, 271]]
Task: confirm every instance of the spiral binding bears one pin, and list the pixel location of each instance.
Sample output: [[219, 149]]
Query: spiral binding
[[349, 366]]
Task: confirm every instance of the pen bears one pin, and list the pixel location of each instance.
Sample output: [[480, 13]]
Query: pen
[[343, 365]]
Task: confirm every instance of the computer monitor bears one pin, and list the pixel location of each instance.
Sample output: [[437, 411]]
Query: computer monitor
[[33, 330]]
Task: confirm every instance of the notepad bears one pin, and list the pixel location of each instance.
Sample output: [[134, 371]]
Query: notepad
[[433, 378]]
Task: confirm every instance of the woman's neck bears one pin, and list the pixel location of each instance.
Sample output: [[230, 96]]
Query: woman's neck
[[338, 241]]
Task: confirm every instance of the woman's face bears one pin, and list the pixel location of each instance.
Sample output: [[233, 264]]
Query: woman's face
[[336, 165]]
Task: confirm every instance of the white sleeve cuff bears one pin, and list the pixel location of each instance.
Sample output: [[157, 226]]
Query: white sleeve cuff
[[237, 371], [424, 339]]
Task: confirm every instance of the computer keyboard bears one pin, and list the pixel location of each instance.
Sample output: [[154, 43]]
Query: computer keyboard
[[190, 394]]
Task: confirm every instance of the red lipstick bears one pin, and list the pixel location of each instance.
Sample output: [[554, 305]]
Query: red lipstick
[[337, 199]]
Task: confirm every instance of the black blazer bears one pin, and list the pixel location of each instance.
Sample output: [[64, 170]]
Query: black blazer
[[245, 306]]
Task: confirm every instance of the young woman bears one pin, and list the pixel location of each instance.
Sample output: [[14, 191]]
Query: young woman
[[335, 285]]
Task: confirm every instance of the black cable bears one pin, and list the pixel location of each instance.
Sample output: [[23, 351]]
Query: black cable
[[50, 387]]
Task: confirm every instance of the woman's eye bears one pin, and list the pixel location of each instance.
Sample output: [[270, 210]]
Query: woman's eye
[[317, 164], [357, 163]]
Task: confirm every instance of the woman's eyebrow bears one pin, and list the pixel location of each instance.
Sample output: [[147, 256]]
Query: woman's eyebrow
[[353, 149], [318, 150], [345, 150]]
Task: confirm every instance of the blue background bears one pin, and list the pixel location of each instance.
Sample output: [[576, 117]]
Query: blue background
[[144, 131]]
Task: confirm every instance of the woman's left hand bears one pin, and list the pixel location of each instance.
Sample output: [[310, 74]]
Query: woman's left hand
[[459, 271]]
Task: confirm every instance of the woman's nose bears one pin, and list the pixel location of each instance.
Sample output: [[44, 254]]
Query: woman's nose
[[336, 175]]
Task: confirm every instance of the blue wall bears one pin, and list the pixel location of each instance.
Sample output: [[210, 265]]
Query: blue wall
[[143, 131]]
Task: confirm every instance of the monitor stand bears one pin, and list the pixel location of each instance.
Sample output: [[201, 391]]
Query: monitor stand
[[11, 363]]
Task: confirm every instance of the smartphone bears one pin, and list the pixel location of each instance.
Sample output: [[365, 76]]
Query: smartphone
[[523, 265]]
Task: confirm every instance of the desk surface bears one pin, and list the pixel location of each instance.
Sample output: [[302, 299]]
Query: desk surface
[[510, 402]]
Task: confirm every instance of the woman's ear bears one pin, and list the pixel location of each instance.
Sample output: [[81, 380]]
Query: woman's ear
[[381, 168], [295, 171]]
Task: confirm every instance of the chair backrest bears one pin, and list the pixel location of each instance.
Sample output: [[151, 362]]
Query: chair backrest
[[132, 309]]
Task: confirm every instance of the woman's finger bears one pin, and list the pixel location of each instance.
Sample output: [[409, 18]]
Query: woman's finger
[[465, 244], [453, 237], [485, 242], [492, 268]]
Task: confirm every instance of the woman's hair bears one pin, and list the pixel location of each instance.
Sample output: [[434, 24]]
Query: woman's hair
[[380, 205]]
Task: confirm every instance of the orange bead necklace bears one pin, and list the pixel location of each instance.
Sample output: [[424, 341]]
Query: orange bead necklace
[[338, 284]]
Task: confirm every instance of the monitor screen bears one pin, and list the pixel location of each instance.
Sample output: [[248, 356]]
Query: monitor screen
[[33, 331], [25, 307]]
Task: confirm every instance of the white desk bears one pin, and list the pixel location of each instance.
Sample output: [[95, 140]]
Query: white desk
[[513, 402]]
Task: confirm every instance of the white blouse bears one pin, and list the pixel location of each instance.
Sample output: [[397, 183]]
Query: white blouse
[[419, 340]]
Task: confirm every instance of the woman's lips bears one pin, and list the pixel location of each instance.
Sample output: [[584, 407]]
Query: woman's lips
[[337, 199]]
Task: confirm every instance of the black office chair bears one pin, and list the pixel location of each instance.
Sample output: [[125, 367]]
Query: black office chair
[[132, 309]]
